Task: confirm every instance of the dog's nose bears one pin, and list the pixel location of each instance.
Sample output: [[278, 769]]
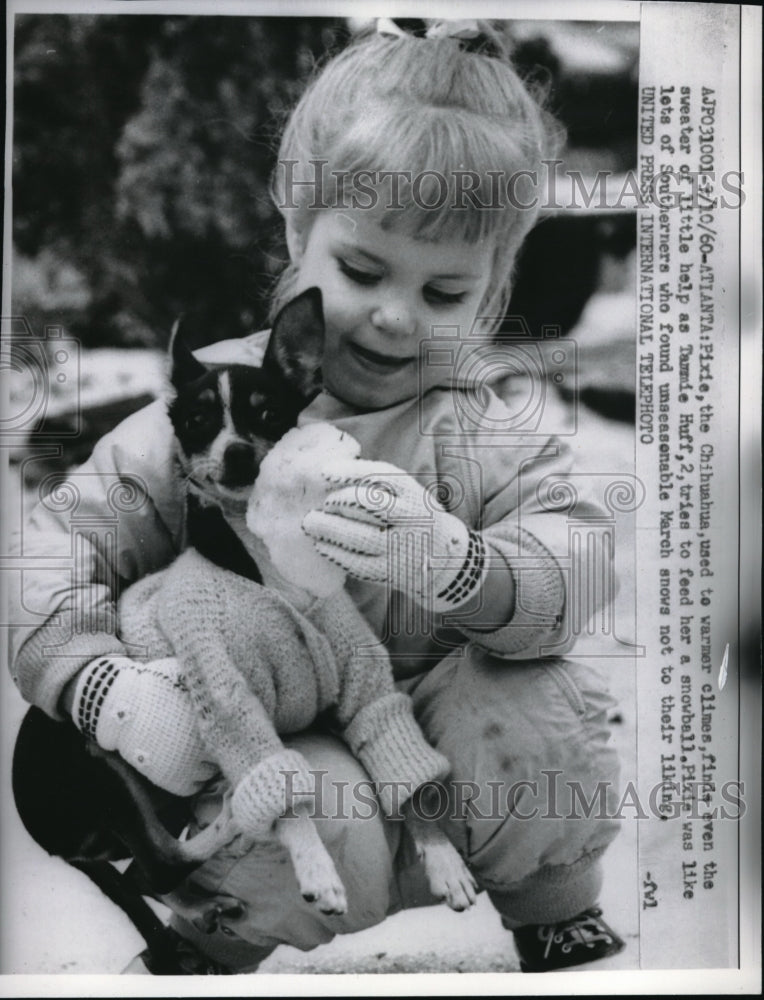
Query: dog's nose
[[239, 465]]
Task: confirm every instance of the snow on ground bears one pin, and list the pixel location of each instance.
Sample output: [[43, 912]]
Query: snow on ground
[[69, 379], [55, 921]]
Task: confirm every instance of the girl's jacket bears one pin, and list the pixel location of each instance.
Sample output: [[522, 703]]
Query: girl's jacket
[[121, 516]]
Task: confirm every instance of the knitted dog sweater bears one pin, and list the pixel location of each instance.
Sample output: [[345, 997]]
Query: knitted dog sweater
[[256, 667]]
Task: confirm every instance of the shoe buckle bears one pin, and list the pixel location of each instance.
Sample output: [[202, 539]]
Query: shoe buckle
[[585, 933]]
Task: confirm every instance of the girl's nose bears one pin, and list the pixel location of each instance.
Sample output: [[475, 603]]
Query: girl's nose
[[395, 317]]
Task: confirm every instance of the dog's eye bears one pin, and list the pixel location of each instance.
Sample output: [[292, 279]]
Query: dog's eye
[[270, 420], [203, 412], [269, 417], [198, 418]]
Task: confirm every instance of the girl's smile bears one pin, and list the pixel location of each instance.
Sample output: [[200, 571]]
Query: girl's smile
[[385, 294], [376, 362]]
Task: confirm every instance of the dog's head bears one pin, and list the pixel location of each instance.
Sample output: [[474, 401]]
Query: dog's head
[[226, 418]]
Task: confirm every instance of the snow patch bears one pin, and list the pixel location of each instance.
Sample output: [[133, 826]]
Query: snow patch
[[292, 481]]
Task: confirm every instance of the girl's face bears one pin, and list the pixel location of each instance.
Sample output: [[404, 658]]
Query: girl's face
[[384, 294]]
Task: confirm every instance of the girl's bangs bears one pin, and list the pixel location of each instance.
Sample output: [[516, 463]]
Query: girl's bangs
[[433, 173]]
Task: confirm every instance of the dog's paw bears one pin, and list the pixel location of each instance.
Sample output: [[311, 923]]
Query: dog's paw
[[330, 900], [317, 877], [447, 874], [321, 885]]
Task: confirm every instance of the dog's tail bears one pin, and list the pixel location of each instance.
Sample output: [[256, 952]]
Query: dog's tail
[[91, 808], [174, 853]]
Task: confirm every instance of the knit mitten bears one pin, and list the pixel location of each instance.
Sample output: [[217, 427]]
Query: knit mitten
[[387, 740], [144, 712], [271, 789], [380, 524]]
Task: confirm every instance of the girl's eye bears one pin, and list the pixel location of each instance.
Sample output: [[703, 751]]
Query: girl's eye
[[437, 297], [359, 276]]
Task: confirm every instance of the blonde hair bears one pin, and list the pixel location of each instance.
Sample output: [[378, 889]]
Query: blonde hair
[[429, 108]]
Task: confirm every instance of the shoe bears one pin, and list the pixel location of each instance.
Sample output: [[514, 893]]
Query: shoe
[[175, 957], [584, 938]]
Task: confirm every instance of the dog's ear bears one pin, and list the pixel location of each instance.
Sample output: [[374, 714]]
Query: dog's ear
[[184, 367], [296, 344]]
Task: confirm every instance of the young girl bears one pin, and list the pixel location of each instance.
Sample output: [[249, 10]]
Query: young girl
[[404, 178]]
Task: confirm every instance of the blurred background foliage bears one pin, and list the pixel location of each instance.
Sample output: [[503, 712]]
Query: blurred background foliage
[[143, 147]]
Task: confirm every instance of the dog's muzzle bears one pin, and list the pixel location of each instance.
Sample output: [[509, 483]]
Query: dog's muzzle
[[239, 465]]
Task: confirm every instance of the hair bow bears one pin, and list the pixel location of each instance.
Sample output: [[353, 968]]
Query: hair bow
[[469, 32]]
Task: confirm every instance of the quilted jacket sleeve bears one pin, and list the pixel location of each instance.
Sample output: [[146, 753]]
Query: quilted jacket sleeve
[[113, 520], [550, 524]]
